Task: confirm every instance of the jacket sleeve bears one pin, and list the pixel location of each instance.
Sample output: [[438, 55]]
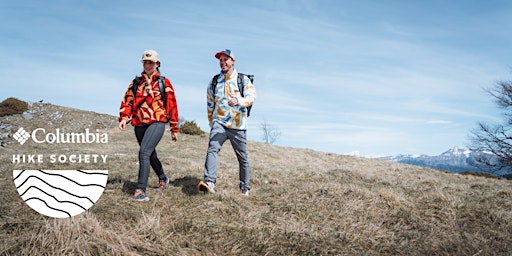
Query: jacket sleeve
[[249, 93], [125, 110], [172, 106], [210, 101]]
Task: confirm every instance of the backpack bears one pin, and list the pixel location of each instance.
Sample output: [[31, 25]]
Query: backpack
[[240, 83], [161, 85]]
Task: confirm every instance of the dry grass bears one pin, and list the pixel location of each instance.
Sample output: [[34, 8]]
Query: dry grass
[[302, 203]]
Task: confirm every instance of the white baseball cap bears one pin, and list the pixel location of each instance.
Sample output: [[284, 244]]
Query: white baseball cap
[[150, 55]]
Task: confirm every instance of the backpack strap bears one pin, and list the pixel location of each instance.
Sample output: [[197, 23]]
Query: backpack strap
[[214, 85], [161, 86], [214, 82], [240, 83], [241, 87], [135, 85]]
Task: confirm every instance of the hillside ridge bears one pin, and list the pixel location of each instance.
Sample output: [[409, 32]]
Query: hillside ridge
[[302, 202], [47, 115]]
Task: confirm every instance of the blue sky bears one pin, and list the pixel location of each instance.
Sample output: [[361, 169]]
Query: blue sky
[[374, 77]]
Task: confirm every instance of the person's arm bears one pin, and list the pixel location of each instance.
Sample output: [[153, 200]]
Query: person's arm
[[210, 102], [249, 94], [125, 110], [172, 109]]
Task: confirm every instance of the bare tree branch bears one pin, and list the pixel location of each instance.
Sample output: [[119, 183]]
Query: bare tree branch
[[270, 133], [496, 139]]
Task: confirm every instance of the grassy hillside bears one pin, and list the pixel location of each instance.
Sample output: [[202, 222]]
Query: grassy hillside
[[302, 202]]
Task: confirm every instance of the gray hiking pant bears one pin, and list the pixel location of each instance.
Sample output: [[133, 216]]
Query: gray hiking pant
[[148, 137], [238, 138]]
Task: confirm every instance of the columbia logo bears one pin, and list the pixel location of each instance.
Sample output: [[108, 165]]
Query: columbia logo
[[21, 136]]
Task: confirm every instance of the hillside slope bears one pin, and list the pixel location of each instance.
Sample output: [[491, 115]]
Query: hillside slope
[[302, 202]]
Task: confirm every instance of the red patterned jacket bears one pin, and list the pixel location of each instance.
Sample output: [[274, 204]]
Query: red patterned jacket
[[149, 106]]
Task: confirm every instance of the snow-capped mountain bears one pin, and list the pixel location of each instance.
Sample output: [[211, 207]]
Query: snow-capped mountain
[[458, 151], [456, 159]]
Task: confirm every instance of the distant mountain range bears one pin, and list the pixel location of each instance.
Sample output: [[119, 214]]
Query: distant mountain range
[[456, 159]]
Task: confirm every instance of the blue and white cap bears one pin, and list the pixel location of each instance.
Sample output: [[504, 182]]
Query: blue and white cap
[[226, 52]]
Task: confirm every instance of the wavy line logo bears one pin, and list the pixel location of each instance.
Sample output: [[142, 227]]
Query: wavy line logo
[[60, 193]]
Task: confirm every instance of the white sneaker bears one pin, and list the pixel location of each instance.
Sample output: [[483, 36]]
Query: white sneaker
[[244, 191]]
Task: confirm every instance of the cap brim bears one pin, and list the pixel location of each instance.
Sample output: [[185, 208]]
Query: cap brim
[[217, 55], [152, 60]]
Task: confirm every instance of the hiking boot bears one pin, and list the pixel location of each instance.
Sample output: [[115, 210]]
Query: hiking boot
[[244, 191], [140, 195], [206, 186], [162, 184]]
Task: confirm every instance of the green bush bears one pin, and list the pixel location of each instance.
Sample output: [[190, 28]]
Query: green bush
[[190, 127], [12, 106]]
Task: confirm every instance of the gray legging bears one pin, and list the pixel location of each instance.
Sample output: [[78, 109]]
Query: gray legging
[[148, 137]]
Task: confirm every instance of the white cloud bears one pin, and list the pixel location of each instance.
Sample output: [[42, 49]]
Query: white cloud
[[439, 122]]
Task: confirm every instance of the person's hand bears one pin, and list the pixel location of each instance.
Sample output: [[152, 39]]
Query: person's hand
[[233, 102], [122, 125], [174, 136]]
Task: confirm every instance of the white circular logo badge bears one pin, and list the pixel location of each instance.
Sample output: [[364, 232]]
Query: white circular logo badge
[[60, 193]]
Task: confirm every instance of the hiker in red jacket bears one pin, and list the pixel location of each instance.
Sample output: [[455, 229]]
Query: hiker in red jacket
[[149, 110]]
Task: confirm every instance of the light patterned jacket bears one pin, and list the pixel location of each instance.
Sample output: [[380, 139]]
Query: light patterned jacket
[[217, 101]]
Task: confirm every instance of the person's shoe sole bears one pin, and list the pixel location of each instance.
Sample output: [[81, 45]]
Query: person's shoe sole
[[141, 199], [202, 187]]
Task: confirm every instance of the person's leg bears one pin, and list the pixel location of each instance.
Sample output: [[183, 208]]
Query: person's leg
[[157, 165], [238, 140], [139, 194], [148, 139], [139, 134], [217, 138]]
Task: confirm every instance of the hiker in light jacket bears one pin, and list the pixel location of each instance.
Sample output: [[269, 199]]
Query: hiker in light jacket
[[149, 112], [227, 114]]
